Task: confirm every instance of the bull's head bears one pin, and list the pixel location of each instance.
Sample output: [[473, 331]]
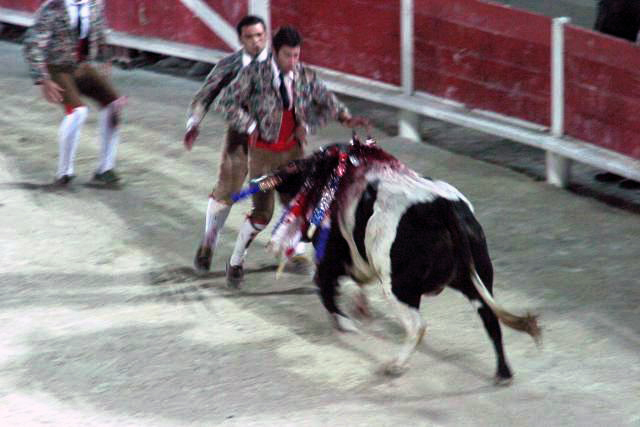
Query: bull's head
[[289, 179], [313, 182]]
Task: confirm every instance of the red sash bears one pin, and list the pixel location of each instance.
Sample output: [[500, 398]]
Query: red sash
[[83, 49]]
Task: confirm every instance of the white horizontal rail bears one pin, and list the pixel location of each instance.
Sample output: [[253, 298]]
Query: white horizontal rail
[[179, 50], [15, 17]]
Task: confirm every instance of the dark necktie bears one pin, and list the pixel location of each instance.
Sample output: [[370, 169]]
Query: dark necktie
[[283, 92], [79, 26]]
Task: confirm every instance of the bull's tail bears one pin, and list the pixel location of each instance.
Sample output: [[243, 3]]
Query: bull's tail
[[527, 323]]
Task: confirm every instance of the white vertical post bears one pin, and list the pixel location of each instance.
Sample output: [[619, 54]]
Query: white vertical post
[[408, 121], [262, 8], [558, 167], [406, 45]]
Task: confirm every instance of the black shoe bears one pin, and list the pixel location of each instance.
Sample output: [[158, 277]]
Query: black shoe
[[64, 180], [202, 261], [235, 275], [629, 184], [107, 177], [608, 177]]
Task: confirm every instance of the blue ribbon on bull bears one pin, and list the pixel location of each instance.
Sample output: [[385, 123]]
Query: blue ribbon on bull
[[320, 244]]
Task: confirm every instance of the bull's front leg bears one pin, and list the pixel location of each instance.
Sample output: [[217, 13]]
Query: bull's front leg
[[328, 287], [362, 303], [406, 302], [328, 271]]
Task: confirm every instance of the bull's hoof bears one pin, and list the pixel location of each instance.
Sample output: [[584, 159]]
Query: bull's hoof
[[501, 381], [300, 265], [344, 324], [503, 377], [394, 368]]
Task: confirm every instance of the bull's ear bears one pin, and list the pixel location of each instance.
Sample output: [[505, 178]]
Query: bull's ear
[[354, 137]]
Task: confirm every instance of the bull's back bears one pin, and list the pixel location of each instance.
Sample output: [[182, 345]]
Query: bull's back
[[376, 209]]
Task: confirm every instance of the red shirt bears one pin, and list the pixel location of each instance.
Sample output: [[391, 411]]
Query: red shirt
[[283, 143]]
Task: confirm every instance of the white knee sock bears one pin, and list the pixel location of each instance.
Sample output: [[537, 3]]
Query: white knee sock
[[109, 137], [68, 136], [248, 232], [217, 213]]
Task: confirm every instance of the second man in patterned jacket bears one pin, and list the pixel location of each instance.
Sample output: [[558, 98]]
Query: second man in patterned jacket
[[276, 102], [233, 158]]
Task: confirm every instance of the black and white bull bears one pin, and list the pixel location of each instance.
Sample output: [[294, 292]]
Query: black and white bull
[[414, 236]]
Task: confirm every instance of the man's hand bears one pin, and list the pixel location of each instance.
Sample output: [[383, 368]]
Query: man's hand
[[105, 69], [354, 122], [190, 137], [253, 137], [300, 134], [191, 134], [51, 91]]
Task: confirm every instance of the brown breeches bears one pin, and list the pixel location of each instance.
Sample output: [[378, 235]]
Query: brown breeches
[[82, 80]]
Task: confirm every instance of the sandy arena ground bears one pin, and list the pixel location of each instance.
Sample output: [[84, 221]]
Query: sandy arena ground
[[104, 323]]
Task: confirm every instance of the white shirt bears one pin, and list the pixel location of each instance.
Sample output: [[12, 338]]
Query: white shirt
[[262, 56], [82, 13], [288, 81]]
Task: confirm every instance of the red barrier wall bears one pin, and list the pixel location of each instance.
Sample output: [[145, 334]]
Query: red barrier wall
[[21, 5], [484, 55], [358, 37], [481, 54], [167, 20], [602, 90], [171, 20]]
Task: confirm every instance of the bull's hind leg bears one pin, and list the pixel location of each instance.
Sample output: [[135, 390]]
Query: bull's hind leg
[[407, 306], [492, 326]]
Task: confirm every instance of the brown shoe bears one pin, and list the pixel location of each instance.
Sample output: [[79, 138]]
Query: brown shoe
[[202, 261], [235, 275]]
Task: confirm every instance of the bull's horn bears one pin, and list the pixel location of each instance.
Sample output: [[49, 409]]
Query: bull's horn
[[311, 230], [280, 268]]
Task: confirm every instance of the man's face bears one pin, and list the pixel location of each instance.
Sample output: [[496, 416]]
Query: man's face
[[253, 38], [287, 58]]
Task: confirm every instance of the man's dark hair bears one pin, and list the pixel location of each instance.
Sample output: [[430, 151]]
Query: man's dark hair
[[286, 36], [247, 21]]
